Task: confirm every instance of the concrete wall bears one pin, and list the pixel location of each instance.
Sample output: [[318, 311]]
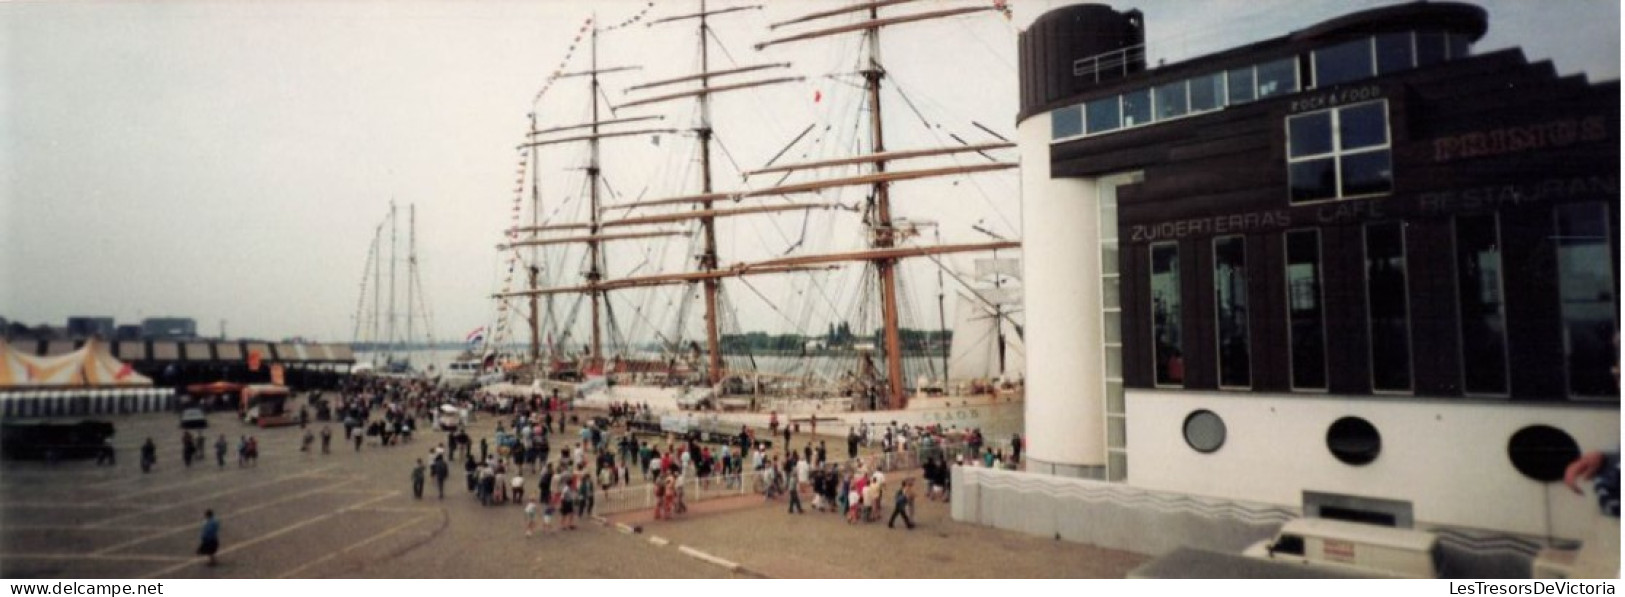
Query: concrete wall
[[1110, 515], [1151, 522], [1066, 423], [1447, 457]]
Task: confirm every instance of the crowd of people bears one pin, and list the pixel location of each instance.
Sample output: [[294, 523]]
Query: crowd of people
[[566, 482], [556, 478]]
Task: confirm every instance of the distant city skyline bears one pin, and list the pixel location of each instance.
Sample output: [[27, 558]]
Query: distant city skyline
[[229, 161]]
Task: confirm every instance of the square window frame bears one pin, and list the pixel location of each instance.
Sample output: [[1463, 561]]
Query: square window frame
[[1337, 153]]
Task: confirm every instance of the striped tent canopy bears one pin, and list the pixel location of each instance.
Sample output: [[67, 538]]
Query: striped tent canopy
[[93, 365]]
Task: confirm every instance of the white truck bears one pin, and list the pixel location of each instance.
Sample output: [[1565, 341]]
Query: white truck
[[1354, 547]]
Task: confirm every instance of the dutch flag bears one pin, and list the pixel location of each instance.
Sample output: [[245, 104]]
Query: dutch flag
[[477, 336]]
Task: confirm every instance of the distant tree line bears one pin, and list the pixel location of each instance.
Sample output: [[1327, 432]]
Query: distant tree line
[[838, 337]]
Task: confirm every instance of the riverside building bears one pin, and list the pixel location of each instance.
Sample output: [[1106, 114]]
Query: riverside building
[[1360, 269]]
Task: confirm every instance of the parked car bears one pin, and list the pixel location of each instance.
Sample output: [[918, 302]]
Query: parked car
[[194, 418]]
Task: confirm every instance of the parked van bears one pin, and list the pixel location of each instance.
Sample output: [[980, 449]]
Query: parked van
[[1387, 551], [265, 405]]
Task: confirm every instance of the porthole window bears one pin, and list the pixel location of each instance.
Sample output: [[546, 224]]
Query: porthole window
[[1354, 441], [1204, 431], [1542, 452]]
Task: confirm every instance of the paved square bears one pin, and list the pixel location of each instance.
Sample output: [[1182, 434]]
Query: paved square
[[351, 514]]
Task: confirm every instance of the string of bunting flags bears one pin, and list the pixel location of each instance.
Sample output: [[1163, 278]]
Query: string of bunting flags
[[500, 337], [582, 31], [631, 21], [565, 62]]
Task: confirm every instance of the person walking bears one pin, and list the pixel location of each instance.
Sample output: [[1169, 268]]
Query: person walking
[[904, 503], [567, 507], [186, 448], [149, 456], [795, 495], [530, 517], [439, 471], [417, 480], [210, 543], [220, 446], [587, 499], [327, 439]]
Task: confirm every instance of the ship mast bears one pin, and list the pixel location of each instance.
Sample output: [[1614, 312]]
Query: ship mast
[[708, 259], [883, 238], [538, 138], [390, 324], [595, 358], [411, 267], [532, 269]]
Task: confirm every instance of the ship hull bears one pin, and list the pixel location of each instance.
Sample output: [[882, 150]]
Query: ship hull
[[997, 415]]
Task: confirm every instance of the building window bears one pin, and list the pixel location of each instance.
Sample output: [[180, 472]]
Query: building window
[[1542, 452], [1483, 314], [1230, 299], [1112, 327], [1204, 431], [1104, 114], [1430, 48], [1137, 107], [1167, 345], [1172, 100], [1395, 52], [1241, 85], [1207, 92], [1354, 441], [1306, 321], [1339, 153], [1344, 62], [1388, 307], [1457, 46], [1585, 281], [1277, 78], [1066, 122]]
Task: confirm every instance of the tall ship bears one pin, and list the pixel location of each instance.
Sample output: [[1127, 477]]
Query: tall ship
[[654, 291]]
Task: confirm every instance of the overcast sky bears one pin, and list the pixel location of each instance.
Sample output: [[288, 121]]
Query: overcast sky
[[230, 160]]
